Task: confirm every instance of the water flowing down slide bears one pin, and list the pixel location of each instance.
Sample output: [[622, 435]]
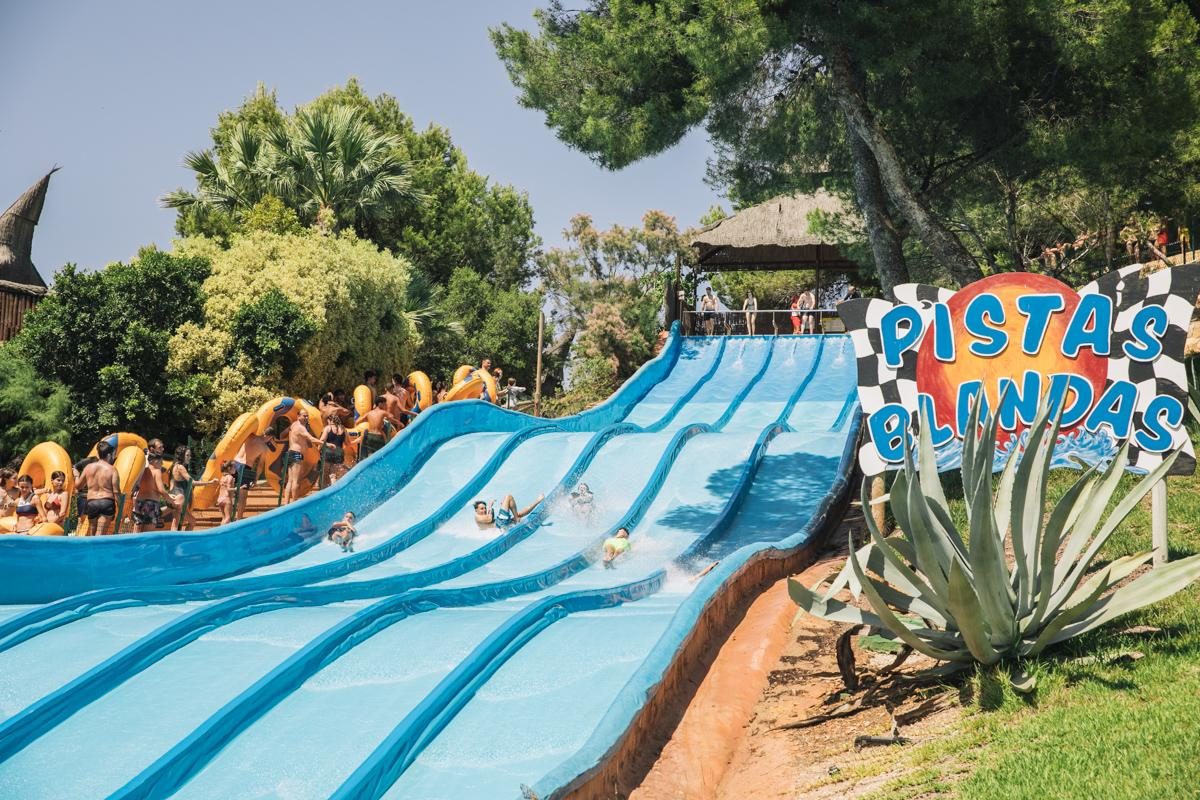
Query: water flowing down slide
[[438, 661]]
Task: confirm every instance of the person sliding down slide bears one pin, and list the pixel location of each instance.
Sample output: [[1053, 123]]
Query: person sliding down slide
[[503, 517], [615, 546]]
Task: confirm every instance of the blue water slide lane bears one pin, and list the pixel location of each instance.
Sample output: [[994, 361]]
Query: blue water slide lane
[[36, 569], [651, 671], [40, 619], [31, 722], [393, 756], [195, 751]]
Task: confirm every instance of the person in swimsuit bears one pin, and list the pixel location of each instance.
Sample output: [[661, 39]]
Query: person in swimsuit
[[228, 480], [796, 314], [179, 495], [8, 490], [246, 462], [151, 509], [504, 516], [615, 546], [375, 437], [299, 440], [808, 320], [708, 310], [328, 404], [750, 306], [100, 485], [342, 533], [55, 499], [582, 499], [398, 401], [334, 438], [439, 392], [28, 506]]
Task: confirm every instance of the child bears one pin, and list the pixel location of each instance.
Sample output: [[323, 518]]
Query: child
[[615, 546], [228, 477], [342, 533]]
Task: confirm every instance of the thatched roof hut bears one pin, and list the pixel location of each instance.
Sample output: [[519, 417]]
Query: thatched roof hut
[[21, 286], [773, 235]]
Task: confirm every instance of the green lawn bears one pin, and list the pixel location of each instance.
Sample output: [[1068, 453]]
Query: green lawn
[[1117, 727]]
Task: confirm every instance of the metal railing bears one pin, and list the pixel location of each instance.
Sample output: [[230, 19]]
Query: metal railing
[[774, 321]]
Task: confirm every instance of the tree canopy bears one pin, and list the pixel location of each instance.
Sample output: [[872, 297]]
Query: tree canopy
[[1020, 110], [294, 314], [104, 336], [414, 193]]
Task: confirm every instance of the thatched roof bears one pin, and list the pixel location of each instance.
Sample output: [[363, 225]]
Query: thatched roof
[[17, 272], [773, 235]]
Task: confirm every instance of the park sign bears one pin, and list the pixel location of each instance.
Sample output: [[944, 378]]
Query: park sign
[[1109, 358]]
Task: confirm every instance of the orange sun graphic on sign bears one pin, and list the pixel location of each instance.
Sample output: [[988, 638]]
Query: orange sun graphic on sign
[[941, 379]]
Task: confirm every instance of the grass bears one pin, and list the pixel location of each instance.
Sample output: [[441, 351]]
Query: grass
[[1112, 727]]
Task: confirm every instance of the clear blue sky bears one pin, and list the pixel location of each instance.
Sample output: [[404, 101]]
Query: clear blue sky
[[116, 92]]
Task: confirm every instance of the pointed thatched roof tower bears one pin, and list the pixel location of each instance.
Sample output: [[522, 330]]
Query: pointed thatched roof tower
[[17, 271], [21, 286]]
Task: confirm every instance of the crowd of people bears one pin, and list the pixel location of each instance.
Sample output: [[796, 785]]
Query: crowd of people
[[161, 497]]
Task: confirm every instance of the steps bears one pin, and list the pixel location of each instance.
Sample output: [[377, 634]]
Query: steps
[[260, 499]]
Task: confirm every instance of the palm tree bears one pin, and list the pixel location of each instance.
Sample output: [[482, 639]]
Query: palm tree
[[232, 180], [330, 165]]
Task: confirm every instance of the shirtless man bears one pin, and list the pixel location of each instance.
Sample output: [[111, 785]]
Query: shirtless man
[[151, 491], [486, 366], [708, 310], [808, 300], [503, 516], [376, 435], [100, 482], [299, 440], [246, 463]]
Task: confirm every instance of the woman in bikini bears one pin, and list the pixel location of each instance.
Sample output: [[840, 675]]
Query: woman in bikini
[[182, 485], [28, 507], [55, 501]]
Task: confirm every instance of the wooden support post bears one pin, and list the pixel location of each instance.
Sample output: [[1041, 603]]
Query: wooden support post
[[537, 376], [1158, 522]]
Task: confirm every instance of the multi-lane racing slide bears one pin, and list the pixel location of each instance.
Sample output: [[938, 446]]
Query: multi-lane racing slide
[[439, 660]]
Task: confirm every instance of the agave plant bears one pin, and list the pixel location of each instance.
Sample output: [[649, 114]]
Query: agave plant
[[961, 598]]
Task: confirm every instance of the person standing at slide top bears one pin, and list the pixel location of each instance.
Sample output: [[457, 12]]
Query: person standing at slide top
[[808, 320], [151, 508], [708, 310], [750, 306]]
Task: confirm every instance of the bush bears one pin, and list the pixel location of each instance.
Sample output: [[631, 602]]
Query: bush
[[267, 286], [104, 335], [269, 332], [32, 409]]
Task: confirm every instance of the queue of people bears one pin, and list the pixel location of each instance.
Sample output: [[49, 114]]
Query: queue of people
[[161, 497]]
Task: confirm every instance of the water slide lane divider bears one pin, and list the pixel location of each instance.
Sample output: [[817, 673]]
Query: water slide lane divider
[[421, 726], [39, 620], [41, 569], [190, 755]]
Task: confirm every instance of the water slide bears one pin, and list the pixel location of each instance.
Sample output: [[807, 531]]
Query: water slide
[[438, 661]]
